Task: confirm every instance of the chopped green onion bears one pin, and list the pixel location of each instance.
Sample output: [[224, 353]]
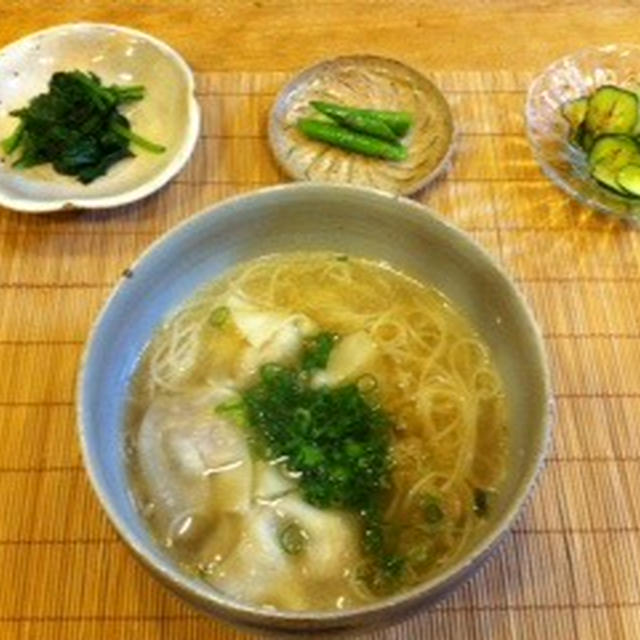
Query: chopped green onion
[[293, 538], [333, 438], [367, 383], [234, 410], [317, 351], [302, 417], [421, 555], [431, 509], [219, 316], [270, 371], [480, 502]]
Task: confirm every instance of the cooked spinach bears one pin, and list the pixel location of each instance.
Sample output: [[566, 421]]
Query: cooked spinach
[[76, 126]]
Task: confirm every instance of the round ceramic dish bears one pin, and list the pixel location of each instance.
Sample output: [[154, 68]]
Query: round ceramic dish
[[351, 220], [169, 113], [368, 82], [571, 77]]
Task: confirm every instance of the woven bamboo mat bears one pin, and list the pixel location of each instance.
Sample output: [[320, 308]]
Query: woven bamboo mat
[[568, 569]]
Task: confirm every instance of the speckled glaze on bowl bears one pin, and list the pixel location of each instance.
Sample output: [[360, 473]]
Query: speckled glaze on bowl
[[169, 113], [372, 82], [356, 221], [571, 77]]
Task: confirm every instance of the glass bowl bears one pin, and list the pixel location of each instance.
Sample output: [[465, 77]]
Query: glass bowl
[[571, 77]]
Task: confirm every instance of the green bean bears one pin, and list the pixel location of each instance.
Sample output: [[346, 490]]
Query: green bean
[[338, 136], [368, 125], [398, 121]]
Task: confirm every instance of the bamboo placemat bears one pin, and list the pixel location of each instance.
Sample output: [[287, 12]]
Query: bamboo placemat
[[568, 569]]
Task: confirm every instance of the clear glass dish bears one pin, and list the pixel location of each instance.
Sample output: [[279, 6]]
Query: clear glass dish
[[570, 77]]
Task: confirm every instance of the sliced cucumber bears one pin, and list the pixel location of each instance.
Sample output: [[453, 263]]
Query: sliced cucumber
[[609, 154], [629, 179], [576, 136], [611, 110], [615, 151], [603, 173], [575, 111], [582, 138], [606, 126], [587, 140]]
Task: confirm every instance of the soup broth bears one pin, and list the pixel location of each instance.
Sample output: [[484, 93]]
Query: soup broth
[[315, 431]]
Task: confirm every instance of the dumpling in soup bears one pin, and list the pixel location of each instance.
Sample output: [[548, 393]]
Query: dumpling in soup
[[191, 459]]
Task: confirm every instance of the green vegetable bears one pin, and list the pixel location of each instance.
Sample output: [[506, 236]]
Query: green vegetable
[[317, 350], [587, 139], [481, 502], [292, 538], [432, 510], [344, 138], [629, 179], [363, 123], [76, 127], [603, 125], [334, 437], [614, 150], [398, 121], [367, 383], [611, 110], [11, 143], [371, 126], [610, 154], [219, 316], [575, 111], [234, 410], [136, 139]]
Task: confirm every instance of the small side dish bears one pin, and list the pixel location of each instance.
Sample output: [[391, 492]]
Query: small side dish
[[582, 124], [87, 96], [605, 125], [363, 120]]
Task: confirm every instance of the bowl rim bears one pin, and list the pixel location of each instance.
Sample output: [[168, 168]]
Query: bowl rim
[[547, 169], [180, 157], [432, 589], [290, 84]]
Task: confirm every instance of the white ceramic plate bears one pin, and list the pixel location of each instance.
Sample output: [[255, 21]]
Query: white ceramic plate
[[169, 113]]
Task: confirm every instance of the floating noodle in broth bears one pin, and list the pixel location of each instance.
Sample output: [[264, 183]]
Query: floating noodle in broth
[[373, 481]]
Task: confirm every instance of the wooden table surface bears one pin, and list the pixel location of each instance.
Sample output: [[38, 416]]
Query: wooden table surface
[[569, 569], [287, 34]]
